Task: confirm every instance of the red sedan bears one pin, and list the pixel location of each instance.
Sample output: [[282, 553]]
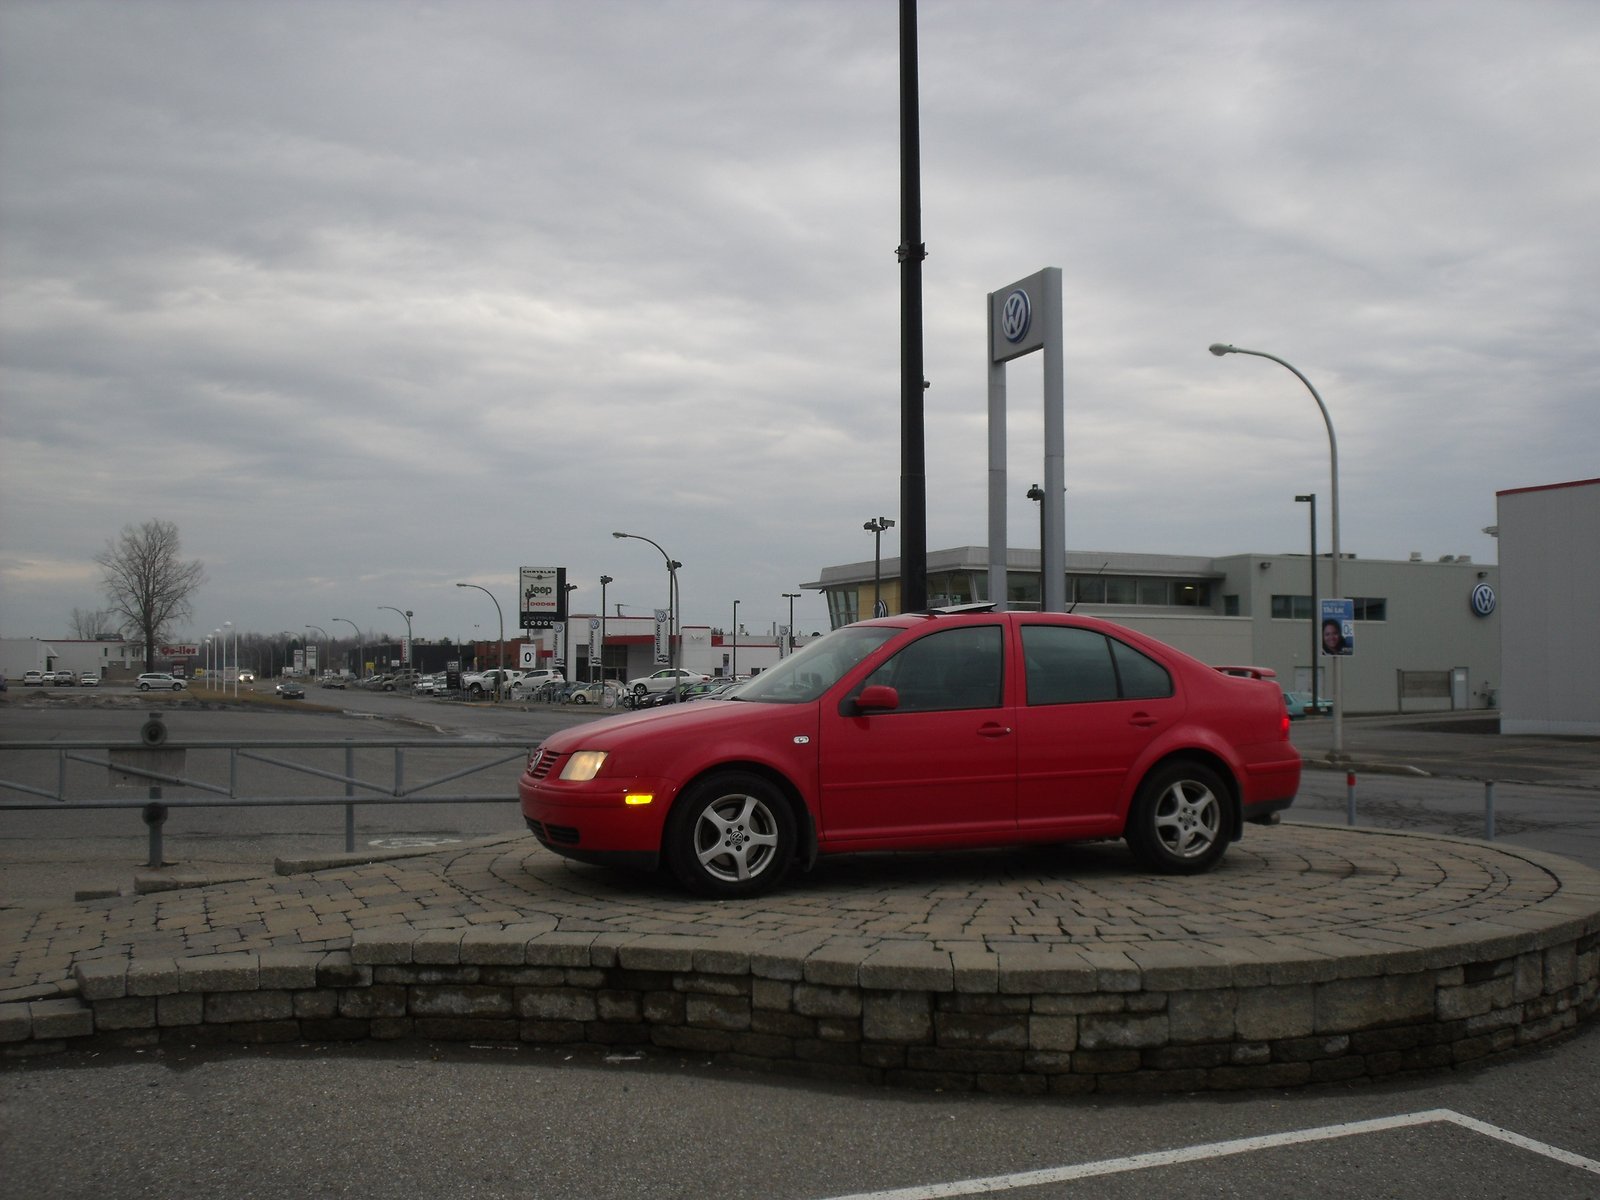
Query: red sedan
[[923, 731]]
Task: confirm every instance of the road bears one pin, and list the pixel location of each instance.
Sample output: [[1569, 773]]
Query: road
[[449, 1120]]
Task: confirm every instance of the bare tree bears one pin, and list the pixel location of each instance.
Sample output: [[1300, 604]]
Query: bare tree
[[147, 582], [90, 623]]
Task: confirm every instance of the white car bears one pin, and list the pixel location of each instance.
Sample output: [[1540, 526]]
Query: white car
[[531, 680], [664, 680], [162, 680], [89, 679]]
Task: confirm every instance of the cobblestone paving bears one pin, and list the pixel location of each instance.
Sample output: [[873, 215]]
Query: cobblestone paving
[[1293, 890]]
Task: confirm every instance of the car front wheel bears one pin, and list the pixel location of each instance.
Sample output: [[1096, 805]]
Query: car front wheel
[[731, 835], [144, 687], [1179, 820]]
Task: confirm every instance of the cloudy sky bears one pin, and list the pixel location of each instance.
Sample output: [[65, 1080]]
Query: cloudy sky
[[369, 298]]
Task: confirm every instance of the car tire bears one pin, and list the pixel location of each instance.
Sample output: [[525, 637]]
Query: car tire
[[1180, 820], [475, 690], [580, 698], [639, 689], [144, 687], [730, 835], [177, 687]]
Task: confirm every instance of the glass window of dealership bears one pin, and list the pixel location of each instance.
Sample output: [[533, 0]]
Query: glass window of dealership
[[1414, 618]]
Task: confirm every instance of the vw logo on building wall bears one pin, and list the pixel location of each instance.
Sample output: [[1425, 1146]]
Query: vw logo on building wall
[[1016, 314], [1483, 600]]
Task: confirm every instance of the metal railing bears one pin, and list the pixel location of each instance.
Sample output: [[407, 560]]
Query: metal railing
[[72, 775]]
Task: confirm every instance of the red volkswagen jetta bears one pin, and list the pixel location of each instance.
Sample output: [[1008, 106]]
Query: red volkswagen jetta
[[921, 731]]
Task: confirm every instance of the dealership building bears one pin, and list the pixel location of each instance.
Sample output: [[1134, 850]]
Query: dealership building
[[1426, 631]]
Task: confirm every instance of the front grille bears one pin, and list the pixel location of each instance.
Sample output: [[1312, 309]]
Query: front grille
[[542, 763]]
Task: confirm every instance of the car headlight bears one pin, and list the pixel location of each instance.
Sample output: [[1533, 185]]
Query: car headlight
[[583, 766]]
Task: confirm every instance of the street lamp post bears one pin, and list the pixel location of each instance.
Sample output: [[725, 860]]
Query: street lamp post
[[569, 652], [407, 614], [1311, 499], [210, 662], [325, 638], [1036, 493], [875, 527], [501, 674], [604, 579], [1219, 349], [734, 670], [791, 597], [672, 595], [361, 647]]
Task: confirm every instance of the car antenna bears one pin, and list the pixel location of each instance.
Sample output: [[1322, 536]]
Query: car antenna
[[1097, 575]]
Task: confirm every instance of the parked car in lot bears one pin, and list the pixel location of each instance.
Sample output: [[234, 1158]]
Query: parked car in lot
[[481, 683], [63, 678], [400, 681], [923, 731], [667, 677], [89, 679], [33, 679], [160, 680], [1300, 703], [290, 689], [333, 681], [530, 681]]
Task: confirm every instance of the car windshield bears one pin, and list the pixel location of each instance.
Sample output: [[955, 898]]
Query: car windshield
[[807, 673]]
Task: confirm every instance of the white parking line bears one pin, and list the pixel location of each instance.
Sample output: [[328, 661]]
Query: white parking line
[[1167, 1158]]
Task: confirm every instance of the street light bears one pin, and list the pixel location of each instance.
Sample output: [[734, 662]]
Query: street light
[[1219, 349], [734, 670], [672, 595], [406, 657], [1037, 493], [325, 638], [875, 527], [604, 579], [210, 662], [361, 648], [569, 653], [791, 597], [1312, 500], [501, 673]]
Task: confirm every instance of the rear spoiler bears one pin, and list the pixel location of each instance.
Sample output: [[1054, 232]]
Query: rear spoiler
[[1248, 672]]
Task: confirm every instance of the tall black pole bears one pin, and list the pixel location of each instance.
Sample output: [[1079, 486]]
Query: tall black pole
[[913, 462]]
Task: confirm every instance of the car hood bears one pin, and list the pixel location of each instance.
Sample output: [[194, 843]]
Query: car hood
[[697, 719]]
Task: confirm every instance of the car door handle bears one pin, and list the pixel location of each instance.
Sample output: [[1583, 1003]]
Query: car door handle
[[1143, 720], [994, 731]]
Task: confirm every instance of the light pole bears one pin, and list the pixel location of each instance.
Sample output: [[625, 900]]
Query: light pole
[[501, 674], [1219, 349], [875, 527], [734, 670], [604, 579], [1037, 493], [325, 638], [791, 597], [210, 662], [1312, 500], [672, 595], [569, 653], [406, 657], [222, 649], [361, 648]]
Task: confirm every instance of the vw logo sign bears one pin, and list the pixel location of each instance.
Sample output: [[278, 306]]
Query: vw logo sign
[[1016, 314], [1483, 600]]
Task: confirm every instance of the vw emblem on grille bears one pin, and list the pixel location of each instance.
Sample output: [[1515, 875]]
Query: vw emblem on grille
[[1016, 314], [1483, 600]]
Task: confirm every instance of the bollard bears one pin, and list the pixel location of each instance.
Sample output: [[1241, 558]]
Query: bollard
[[1350, 797], [155, 819], [1488, 810]]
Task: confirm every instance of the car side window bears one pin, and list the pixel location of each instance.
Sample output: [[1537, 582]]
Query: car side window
[[1079, 666], [951, 669], [1067, 665]]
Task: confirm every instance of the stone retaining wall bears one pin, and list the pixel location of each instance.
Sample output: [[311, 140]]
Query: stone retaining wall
[[908, 1016]]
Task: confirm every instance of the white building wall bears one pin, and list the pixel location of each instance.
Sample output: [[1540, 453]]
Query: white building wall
[[1549, 537]]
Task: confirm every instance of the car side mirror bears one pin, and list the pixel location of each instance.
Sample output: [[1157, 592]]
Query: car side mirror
[[880, 697]]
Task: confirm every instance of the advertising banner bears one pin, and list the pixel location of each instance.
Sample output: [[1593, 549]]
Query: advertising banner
[[1338, 628], [663, 655]]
